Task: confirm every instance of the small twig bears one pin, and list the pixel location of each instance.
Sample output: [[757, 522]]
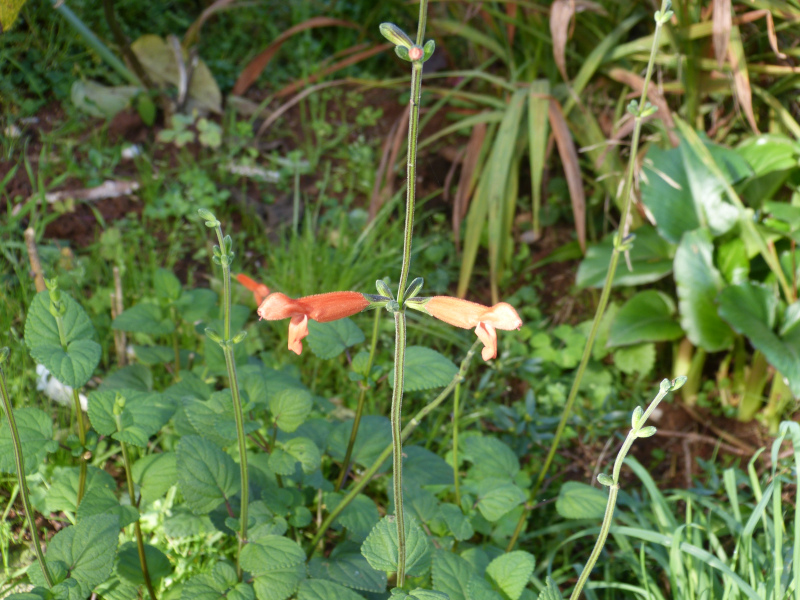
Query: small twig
[[33, 257], [120, 339]]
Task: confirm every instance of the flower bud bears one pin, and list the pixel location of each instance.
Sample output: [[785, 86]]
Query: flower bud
[[414, 287], [383, 289], [605, 480], [402, 52], [415, 53], [636, 417], [647, 432], [427, 50], [665, 385], [211, 220], [213, 335], [239, 337], [678, 382], [395, 35]]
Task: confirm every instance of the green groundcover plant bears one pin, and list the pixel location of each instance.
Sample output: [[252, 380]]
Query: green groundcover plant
[[210, 441]]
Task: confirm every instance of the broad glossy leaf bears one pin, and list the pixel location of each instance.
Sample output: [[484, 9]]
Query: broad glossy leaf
[[683, 195], [144, 318], [496, 497], [650, 256], [426, 369], [359, 517], [490, 457], [63, 493], [207, 476], [155, 474], [349, 569], [577, 500], [647, 317], [457, 521], [35, 430], [87, 549], [374, 435], [320, 589], [74, 366], [451, 575], [380, 547], [750, 309], [130, 569], [511, 572], [142, 416], [290, 407], [329, 340], [278, 565], [220, 584], [99, 500], [698, 283]]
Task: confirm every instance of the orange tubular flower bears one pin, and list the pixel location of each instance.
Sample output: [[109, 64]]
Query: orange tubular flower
[[485, 319], [321, 308], [260, 291]]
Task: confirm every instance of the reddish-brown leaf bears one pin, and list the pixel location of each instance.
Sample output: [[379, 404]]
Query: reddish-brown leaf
[[256, 66], [721, 29], [572, 170]]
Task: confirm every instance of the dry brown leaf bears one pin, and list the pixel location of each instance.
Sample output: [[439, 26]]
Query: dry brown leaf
[[384, 179], [771, 36], [561, 13], [256, 66], [572, 170], [193, 33], [635, 82], [721, 29], [741, 79], [468, 179], [562, 26], [337, 66], [290, 103], [511, 29]]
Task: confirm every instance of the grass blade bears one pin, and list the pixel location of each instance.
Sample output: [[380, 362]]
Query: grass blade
[[741, 79], [721, 29], [538, 100], [572, 170], [470, 169]]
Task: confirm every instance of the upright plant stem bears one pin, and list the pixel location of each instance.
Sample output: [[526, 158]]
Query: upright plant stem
[[367, 476], [399, 317], [362, 395], [23, 483], [456, 482], [397, 442], [76, 404], [136, 526], [230, 363], [606, 293], [613, 490]]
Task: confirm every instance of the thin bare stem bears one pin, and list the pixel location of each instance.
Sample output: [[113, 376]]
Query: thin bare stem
[[618, 248], [20, 464]]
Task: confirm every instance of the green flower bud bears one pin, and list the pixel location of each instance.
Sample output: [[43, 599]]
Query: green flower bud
[[414, 287], [383, 289], [239, 337], [647, 432], [427, 50], [213, 335], [395, 35], [678, 382], [636, 417], [605, 480]]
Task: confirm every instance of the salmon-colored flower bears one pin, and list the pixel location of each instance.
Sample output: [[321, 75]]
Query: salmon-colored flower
[[465, 314], [260, 291], [321, 308]]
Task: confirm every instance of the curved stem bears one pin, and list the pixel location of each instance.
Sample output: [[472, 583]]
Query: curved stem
[[238, 414], [397, 442], [456, 482], [23, 483], [136, 526], [367, 476], [362, 395], [606, 293], [613, 491]]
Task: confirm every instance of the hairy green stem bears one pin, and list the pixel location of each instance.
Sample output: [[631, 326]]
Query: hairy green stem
[[362, 395], [399, 315], [397, 442], [76, 404], [627, 197], [22, 481], [367, 476], [230, 363], [613, 490], [456, 482], [137, 528]]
